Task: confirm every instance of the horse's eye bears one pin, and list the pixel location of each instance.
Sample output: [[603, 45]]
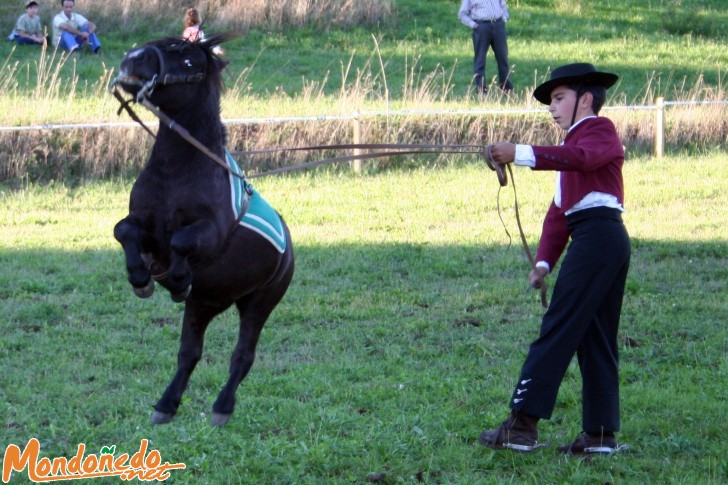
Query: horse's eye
[[187, 62]]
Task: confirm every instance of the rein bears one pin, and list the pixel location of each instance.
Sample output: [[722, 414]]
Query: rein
[[526, 247], [386, 150], [389, 149]]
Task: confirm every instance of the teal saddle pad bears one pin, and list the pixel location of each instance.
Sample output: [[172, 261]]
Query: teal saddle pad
[[260, 216]]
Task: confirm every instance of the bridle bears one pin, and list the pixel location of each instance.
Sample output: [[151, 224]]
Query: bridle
[[163, 78], [383, 149]]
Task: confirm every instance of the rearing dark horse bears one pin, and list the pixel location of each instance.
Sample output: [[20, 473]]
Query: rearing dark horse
[[193, 227]]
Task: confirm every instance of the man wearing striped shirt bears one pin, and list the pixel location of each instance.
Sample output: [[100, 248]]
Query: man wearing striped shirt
[[487, 19]]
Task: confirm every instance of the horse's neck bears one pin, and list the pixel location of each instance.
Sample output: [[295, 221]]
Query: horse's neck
[[206, 128]]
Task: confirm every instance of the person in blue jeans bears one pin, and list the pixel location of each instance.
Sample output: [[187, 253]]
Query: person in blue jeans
[[72, 30]]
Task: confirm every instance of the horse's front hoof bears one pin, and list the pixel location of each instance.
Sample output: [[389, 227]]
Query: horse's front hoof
[[179, 297], [219, 419], [146, 291], [161, 418]]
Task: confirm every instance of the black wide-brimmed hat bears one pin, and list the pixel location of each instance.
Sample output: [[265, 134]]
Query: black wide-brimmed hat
[[577, 73]]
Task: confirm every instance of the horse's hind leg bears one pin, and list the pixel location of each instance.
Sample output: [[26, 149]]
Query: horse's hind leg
[[130, 234], [196, 319], [254, 311]]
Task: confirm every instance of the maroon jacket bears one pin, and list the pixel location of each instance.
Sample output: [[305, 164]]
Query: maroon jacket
[[590, 159]]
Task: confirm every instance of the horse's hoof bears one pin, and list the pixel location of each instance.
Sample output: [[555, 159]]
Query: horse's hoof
[[219, 419], [179, 297], [146, 291], [161, 418]]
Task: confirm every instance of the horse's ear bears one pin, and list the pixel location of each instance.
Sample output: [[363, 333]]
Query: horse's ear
[[218, 39]]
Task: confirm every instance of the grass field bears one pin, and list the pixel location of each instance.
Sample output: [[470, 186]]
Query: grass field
[[408, 317], [398, 342], [418, 52], [398, 55], [401, 54]]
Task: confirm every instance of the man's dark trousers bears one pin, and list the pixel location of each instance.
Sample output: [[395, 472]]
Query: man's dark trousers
[[583, 318], [486, 35]]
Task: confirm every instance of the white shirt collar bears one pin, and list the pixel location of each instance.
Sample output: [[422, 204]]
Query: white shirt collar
[[579, 122]]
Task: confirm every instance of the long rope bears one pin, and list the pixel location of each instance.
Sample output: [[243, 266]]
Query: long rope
[[503, 179], [526, 247], [391, 149]]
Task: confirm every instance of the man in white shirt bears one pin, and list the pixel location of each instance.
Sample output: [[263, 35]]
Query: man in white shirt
[[72, 30], [487, 19]]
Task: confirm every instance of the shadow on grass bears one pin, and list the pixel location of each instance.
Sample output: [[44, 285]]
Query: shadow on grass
[[390, 334]]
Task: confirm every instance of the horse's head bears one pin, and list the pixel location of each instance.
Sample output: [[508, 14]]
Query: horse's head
[[173, 72]]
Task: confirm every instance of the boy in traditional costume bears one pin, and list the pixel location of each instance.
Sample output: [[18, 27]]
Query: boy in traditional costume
[[583, 317]]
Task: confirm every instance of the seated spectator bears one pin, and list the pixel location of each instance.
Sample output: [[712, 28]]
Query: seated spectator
[[72, 31], [28, 30]]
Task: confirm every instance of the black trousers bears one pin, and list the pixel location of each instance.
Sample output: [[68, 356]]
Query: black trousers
[[582, 319], [491, 34]]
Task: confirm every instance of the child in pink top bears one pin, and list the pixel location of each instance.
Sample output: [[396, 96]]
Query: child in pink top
[[192, 21], [193, 31]]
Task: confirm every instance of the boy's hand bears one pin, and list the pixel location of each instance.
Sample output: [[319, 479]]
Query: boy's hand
[[537, 276], [503, 153]]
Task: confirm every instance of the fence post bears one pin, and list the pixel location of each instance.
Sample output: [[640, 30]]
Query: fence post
[[659, 127], [356, 126]]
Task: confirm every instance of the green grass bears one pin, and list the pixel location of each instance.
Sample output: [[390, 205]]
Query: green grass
[[658, 47], [398, 342], [407, 320], [419, 59]]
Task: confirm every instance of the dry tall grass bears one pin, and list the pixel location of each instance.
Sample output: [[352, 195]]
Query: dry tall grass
[[243, 14], [82, 154], [76, 154]]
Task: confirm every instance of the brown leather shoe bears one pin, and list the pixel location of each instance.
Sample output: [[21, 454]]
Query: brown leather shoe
[[589, 444], [518, 433]]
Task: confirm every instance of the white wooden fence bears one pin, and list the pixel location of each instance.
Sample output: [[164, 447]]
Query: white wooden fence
[[659, 107]]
